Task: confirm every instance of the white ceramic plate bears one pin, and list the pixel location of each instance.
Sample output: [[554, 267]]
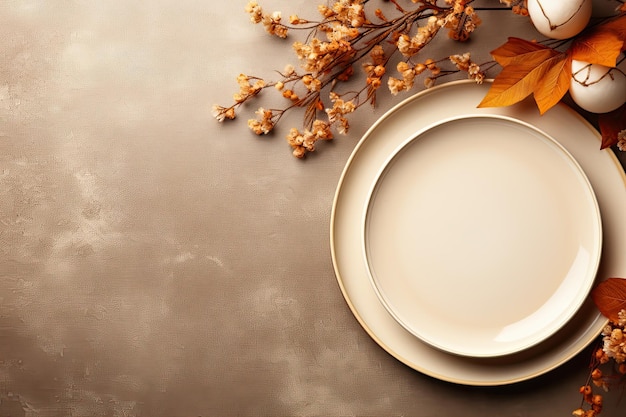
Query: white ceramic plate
[[404, 121], [482, 235]]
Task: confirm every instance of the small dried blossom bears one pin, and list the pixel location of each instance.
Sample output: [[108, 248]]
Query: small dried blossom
[[312, 83], [614, 339], [339, 32], [474, 72], [432, 66], [271, 21], [273, 26], [464, 63], [255, 11], [408, 73], [325, 11], [621, 140], [264, 123], [462, 22], [291, 95], [336, 114], [591, 401], [294, 19], [319, 56], [518, 6], [409, 46], [289, 70], [248, 87], [374, 71], [599, 380], [222, 113], [350, 12], [395, 85], [303, 142]]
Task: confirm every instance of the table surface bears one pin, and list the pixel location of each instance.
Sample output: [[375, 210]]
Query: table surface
[[154, 262]]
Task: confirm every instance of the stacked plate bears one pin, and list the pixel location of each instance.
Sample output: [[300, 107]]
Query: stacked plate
[[466, 240]]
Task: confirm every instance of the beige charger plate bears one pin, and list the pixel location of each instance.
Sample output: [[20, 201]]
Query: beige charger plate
[[459, 99]]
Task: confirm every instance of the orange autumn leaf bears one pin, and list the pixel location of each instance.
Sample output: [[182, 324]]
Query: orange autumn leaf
[[601, 44], [598, 47], [554, 84], [617, 25], [515, 50], [518, 80], [611, 124], [531, 68], [610, 297]]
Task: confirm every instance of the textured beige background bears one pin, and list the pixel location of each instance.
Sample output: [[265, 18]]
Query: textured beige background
[[156, 263]]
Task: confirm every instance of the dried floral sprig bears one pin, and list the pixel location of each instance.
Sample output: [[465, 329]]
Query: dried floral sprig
[[612, 354], [518, 6], [608, 361], [347, 34], [621, 140]]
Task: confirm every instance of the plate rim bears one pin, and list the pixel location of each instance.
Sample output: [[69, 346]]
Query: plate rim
[[589, 196], [588, 336]]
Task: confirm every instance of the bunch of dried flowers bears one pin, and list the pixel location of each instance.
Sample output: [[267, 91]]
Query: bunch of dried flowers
[[349, 33], [612, 353], [608, 361]]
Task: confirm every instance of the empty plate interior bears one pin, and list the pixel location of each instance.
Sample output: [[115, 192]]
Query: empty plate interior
[[482, 235]]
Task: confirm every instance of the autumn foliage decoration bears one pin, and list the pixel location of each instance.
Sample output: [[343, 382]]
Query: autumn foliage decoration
[[529, 67], [610, 297]]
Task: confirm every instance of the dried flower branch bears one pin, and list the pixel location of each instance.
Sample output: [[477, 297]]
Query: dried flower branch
[[610, 298], [387, 48], [348, 35], [612, 354]]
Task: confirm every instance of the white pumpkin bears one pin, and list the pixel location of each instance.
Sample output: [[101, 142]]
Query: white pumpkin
[[596, 88], [560, 19]]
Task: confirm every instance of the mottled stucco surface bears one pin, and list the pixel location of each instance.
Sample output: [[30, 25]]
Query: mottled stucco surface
[[155, 263]]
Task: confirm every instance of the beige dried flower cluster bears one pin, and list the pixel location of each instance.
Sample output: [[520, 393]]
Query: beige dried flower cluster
[[346, 36], [613, 351], [614, 339], [621, 140], [272, 22], [518, 6]]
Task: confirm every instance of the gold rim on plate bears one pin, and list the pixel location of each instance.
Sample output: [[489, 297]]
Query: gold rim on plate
[[459, 99]]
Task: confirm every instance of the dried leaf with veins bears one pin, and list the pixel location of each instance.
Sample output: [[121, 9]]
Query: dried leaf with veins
[[532, 68], [515, 50], [528, 68], [611, 124], [602, 44], [555, 83], [617, 25], [610, 297]]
